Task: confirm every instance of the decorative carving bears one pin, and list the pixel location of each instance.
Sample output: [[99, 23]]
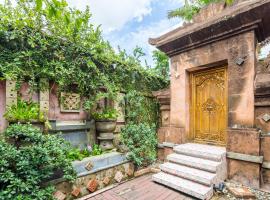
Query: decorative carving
[[70, 102], [210, 105], [266, 117]]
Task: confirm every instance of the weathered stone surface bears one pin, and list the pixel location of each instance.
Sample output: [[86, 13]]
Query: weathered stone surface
[[89, 166], [142, 172], [241, 192], [106, 181], [59, 195], [118, 176], [260, 114], [76, 191], [239, 138], [92, 185], [155, 170], [245, 173]]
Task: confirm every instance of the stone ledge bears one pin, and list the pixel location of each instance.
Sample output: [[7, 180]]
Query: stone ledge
[[167, 144], [245, 157], [266, 165]]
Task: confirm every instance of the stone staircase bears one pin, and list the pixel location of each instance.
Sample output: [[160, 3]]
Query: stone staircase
[[194, 169]]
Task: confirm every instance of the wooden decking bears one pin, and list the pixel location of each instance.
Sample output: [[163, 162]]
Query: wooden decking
[[142, 188]]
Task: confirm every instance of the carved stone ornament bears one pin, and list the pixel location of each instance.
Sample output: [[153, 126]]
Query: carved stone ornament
[[266, 117], [70, 102]]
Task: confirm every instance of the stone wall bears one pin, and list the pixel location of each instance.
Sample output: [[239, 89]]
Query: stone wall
[[240, 80], [88, 184], [262, 116]]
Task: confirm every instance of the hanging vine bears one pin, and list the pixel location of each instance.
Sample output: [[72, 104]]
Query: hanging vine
[[47, 39]]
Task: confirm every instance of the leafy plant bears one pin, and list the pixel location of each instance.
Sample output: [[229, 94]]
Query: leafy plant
[[96, 150], [78, 154], [107, 113], [141, 108], [46, 39], [141, 141], [28, 160], [24, 111], [191, 8]]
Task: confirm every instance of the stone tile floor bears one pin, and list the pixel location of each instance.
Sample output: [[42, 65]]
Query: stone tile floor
[[143, 188]]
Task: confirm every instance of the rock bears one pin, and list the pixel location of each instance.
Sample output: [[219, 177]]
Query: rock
[[155, 170], [142, 172], [106, 180], [129, 169], [92, 185], [59, 195], [118, 176], [241, 192], [89, 166], [76, 192]]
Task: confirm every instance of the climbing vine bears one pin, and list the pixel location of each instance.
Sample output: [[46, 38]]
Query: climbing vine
[[47, 39], [192, 7]]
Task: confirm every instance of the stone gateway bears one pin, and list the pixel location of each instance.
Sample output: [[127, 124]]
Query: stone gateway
[[219, 96]]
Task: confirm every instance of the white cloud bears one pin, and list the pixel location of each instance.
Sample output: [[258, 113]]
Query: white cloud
[[140, 36], [265, 51], [114, 14]]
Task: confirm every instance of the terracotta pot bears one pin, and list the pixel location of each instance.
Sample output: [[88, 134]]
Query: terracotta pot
[[105, 126]]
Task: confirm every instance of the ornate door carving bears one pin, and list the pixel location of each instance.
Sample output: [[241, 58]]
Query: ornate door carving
[[209, 106]]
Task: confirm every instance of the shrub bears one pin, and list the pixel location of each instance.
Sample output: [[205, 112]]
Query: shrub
[[141, 141], [24, 111], [28, 160], [107, 113]]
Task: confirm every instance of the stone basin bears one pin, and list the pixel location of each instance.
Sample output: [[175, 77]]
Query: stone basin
[[99, 163]]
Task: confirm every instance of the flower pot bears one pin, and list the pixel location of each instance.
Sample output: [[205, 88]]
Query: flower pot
[[105, 126]]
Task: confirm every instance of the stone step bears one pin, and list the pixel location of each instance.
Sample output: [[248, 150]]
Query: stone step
[[213, 153], [197, 163], [189, 173], [186, 186]]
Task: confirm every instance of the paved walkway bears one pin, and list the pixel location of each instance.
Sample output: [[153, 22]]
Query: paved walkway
[[142, 188]]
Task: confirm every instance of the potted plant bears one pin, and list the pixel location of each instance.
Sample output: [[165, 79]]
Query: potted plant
[[106, 120], [105, 126]]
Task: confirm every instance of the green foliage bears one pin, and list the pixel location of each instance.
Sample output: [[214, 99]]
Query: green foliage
[[141, 140], [191, 8], [46, 39], [77, 154], [107, 113], [24, 111], [96, 150], [141, 109], [28, 160], [161, 64]]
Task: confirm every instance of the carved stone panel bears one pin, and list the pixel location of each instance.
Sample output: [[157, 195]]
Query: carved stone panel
[[70, 102]]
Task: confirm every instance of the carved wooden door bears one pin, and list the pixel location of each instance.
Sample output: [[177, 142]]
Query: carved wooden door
[[209, 106]]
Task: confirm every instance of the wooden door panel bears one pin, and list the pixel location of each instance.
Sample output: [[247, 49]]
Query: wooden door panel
[[209, 106]]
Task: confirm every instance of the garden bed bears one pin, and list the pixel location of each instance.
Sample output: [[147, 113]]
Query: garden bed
[[106, 169]]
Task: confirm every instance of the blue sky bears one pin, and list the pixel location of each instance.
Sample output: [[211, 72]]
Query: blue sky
[[130, 23]]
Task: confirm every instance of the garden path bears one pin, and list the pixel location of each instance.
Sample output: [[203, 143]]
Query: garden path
[[142, 188]]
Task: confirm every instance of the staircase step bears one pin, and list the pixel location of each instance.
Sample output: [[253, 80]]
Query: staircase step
[[189, 173], [186, 186], [202, 151], [197, 163]]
